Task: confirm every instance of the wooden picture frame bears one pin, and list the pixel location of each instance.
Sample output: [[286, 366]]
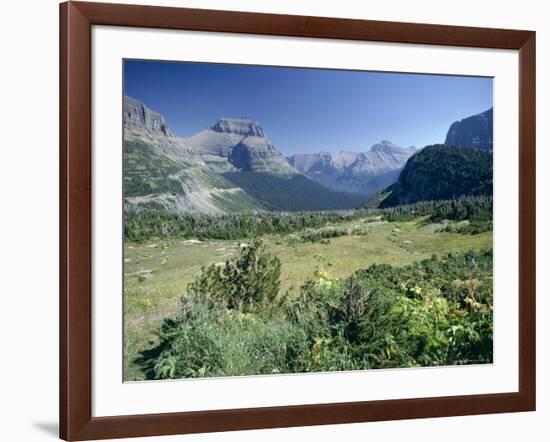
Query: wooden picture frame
[[76, 21]]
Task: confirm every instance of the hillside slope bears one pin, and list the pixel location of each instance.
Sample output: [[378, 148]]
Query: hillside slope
[[162, 172], [441, 172], [230, 167], [293, 193]]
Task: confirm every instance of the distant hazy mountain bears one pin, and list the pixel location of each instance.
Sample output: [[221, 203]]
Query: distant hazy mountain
[[228, 167], [360, 172], [475, 131], [440, 172]]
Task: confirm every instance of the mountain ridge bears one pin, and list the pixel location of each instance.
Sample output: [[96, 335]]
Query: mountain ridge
[[475, 131], [138, 116], [356, 172], [163, 172], [228, 167], [234, 144], [239, 126]]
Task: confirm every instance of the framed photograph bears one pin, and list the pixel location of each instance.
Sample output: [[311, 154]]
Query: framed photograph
[[273, 220]]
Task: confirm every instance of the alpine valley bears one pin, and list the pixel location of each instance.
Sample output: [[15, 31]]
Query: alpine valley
[[239, 261], [232, 167]]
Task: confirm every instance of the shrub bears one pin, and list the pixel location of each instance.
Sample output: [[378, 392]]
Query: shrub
[[471, 228], [233, 321], [244, 283]]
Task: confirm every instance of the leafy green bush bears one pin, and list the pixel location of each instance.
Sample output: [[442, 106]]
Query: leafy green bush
[[228, 343], [234, 320], [470, 228], [244, 283], [321, 236]]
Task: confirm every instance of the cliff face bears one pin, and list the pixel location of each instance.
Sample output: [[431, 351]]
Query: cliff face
[[163, 172], [475, 131], [239, 144], [140, 117], [229, 167], [239, 126]]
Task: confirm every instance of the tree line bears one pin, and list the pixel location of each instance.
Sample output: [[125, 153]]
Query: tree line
[[149, 225]]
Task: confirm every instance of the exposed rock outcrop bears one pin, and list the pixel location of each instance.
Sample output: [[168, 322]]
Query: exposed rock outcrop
[[475, 131]]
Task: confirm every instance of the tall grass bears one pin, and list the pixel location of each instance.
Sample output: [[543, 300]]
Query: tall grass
[[235, 320]]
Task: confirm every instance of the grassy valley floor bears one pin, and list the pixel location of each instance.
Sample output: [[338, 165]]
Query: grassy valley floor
[[157, 273]]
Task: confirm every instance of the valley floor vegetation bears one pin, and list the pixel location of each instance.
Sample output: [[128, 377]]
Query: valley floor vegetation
[[269, 293]]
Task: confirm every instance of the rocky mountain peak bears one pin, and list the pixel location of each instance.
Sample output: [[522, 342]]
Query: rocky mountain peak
[[385, 146], [239, 126], [256, 154], [139, 117], [475, 131], [359, 172]]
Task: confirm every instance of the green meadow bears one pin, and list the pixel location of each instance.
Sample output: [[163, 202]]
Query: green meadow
[[157, 272]]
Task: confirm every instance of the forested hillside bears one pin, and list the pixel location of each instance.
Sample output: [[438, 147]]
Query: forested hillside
[[441, 172], [292, 193]]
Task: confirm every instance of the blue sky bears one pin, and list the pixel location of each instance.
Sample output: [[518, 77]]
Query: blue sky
[[308, 110]]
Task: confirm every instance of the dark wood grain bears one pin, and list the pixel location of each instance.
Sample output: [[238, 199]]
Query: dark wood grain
[[63, 200], [299, 26], [76, 421], [76, 222], [304, 415], [527, 220]]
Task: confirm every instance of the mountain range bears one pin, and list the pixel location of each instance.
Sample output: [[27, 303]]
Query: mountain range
[[232, 166], [360, 172], [162, 172], [228, 167]]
